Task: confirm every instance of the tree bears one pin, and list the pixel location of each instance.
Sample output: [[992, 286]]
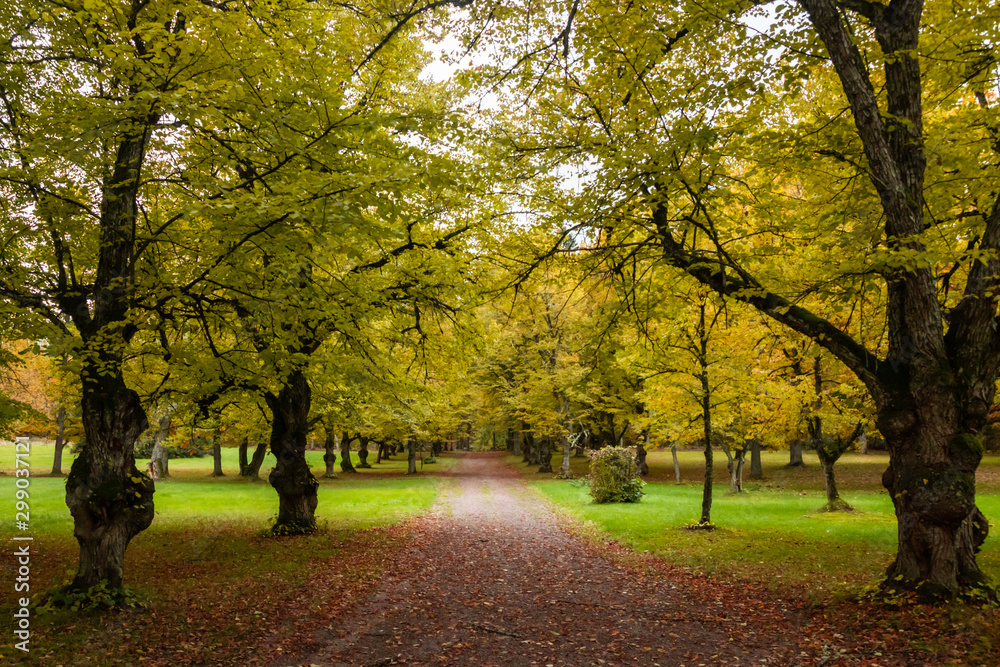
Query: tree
[[701, 152], [103, 109]]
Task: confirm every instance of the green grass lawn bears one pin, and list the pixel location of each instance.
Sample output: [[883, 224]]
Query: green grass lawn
[[41, 456], [771, 533]]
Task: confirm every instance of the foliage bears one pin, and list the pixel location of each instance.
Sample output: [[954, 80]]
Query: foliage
[[614, 477], [177, 447], [96, 598]]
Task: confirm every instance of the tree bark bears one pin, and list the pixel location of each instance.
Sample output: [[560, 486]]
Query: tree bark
[[565, 469], [833, 500], [411, 456], [795, 454], [640, 454], [363, 452], [756, 469], [244, 461], [515, 439], [160, 457], [345, 453], [530, 448], [60, 442], [330, 453], [677, 465], [109, 507], [217, 456], [291, 477], [735, 460], [545, 454], [706, 418], [257, 460]]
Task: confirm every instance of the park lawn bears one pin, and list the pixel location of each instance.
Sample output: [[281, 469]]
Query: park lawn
[[213, 584], [770, 535], [41, 456]]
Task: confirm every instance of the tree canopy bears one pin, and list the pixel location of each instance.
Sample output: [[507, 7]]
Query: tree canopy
[[613, 220]]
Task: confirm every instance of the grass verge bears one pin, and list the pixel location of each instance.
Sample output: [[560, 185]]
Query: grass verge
[[218, 593]]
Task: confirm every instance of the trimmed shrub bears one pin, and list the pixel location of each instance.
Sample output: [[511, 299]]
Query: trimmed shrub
[[614, 476]]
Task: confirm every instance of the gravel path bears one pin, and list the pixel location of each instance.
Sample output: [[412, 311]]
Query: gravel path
[[490, 578]]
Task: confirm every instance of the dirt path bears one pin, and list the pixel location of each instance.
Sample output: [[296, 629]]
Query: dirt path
[[491, 579]]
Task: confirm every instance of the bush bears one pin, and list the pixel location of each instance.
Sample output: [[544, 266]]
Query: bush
[[144, 445], [196, 447], [614, 477]]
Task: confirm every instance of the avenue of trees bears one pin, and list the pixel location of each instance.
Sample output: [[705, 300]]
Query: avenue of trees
[[741, 225]]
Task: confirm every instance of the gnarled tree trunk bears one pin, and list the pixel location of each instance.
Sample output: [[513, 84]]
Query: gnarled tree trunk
[[640, 454], [110, 500], [291, 477], [735, 460], [160, 457], [330, 453], [363, 452], [109, 507], [545, 454], [60, 442], [345, 453], [257, 460]]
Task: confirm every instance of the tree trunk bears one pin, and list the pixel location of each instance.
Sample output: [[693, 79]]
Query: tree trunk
[[110, 500], [345, 453], [217, 456], [363, 452], [734, 464], [160, 457], [244, 461], [706, 418], [60, 442], [291, 477], [330, 453], [640, 454], [566, 470], [795, 454], [677, 465], [940, 529], [827, 459], [756, 469], [411, 456], [515, 439], [545, 455], [257, 460]]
